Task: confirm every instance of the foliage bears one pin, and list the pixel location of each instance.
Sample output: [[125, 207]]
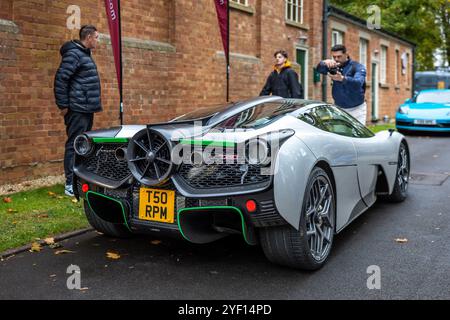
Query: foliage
[[425, 22]]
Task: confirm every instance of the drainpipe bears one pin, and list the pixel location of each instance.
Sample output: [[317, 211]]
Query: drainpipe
[[324, 46], [413, 89]]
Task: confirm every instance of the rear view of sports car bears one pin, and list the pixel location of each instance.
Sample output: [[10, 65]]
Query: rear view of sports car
[[285, 174], [429, 110]]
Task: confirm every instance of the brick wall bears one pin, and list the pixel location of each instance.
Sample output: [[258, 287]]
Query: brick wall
[[390, 93], [173, 63]]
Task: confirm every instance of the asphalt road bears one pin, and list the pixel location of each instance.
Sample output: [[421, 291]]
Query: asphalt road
[[229, 269]]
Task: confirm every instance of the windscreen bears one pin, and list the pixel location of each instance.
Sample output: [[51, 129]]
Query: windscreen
[[258, 116], [202, 113], [434, 97]]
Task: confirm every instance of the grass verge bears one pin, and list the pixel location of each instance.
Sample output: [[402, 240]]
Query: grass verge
[[380, 127], [39, 213]]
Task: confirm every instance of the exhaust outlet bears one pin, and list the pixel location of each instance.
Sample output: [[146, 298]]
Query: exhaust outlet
[[207, 224], [121, 154]]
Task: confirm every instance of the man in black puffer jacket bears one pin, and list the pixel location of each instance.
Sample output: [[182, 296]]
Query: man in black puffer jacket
[[77, 92], [283, 81]]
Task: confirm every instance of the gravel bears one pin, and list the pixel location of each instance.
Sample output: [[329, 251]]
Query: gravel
[[32, 184]]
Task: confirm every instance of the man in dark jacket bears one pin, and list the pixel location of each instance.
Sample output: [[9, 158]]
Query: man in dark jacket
[[283, 81], [349, 82], [77, 92]]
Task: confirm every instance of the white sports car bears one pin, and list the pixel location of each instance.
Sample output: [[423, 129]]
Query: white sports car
[[287, 174]]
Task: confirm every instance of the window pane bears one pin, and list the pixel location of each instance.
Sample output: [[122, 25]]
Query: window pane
[[334, 120], [397, 56], [294, 12], [301, 11], [363, 44], [258, 116], [383, 64]]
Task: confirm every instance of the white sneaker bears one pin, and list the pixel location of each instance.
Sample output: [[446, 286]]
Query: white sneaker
[[68, 190]]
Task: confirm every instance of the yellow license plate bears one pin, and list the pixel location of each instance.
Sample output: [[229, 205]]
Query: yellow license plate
[[157, 205]]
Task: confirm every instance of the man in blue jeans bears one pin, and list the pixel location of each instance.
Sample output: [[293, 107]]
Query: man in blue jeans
[[349, 82]]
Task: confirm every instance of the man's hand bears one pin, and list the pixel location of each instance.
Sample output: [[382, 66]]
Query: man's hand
[[63, 112], [330, 63], [336, 77]]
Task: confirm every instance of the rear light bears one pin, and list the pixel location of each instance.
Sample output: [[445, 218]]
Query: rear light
[[85, 187], [250, 205]]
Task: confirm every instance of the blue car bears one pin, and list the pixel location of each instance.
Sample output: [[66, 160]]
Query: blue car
[[429, 110]]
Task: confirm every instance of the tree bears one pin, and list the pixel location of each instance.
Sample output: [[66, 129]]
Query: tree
[[425, 22], [443, 13]]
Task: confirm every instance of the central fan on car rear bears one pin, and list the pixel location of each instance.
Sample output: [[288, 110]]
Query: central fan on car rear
[[149, 157]]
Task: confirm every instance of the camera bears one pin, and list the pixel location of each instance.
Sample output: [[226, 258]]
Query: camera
[[335, 70]]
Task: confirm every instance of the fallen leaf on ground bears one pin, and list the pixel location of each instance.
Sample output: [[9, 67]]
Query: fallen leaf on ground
[[7, 200], [11, 210], [63, 252], [74, 200], [51, 194], [9, 257], [112, 255], [44, 215], [49, 241], [60, 197], [55, 245], [401, 240], [35, 247], [155, 242]]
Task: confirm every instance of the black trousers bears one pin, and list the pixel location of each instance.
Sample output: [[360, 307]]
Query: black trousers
[[76, 123]]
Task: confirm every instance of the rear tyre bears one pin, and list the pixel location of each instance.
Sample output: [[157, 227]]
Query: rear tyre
[[307, 248], [105, 227], [400, 191]]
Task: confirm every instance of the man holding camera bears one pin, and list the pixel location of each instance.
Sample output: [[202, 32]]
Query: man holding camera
[[349, 82]]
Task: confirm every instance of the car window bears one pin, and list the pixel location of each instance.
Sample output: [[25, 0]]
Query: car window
[[201, 113], [433, 96], [257, 116], [335, 120]]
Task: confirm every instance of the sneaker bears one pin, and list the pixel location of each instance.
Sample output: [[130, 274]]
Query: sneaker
[[68, 190]]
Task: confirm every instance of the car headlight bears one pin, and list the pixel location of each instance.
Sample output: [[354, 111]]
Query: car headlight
[[403, 109], [82, 145], [258, 151], [262, 149]]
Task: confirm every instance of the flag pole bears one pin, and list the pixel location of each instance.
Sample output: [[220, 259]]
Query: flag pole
[[121, 67], [228, 50]]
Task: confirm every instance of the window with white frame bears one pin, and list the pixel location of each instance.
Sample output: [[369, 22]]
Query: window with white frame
[[383, 64], [363, 45], [294, 11], [337, 37], [241, 2]]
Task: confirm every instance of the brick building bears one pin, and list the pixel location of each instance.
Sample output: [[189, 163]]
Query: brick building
[[387, 57], [173, 62]]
